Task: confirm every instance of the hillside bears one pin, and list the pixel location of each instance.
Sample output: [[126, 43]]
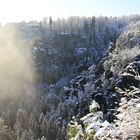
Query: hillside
[[74, 79], [113, 93]]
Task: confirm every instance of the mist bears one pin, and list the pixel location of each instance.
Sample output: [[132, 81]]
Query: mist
[[16, 71]]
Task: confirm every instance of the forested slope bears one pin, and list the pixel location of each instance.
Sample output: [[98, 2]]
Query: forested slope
[[69, 70]]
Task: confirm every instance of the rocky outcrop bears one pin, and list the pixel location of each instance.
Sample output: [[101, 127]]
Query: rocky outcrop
[[111, 103]]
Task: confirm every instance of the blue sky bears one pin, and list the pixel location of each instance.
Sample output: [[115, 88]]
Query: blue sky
[[18, 10], [101, 7]]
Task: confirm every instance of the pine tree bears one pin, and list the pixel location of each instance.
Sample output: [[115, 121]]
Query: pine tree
[[50, 21]]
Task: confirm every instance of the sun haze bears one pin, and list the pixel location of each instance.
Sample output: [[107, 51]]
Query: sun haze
[[19, 10]]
